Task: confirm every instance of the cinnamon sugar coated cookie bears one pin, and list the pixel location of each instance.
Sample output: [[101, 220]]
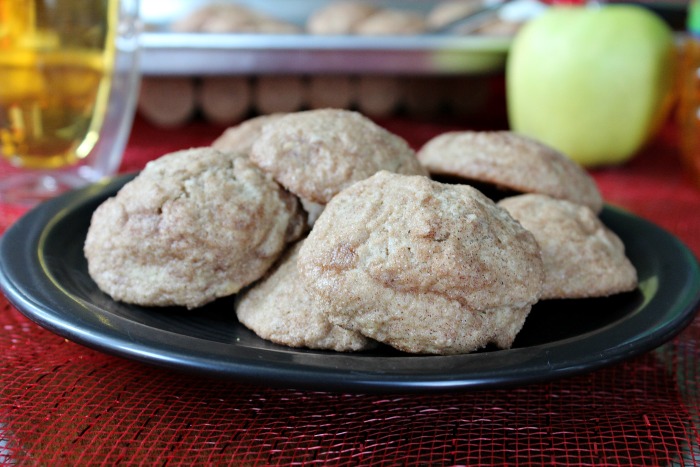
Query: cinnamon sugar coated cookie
[[582, 257], [422, 266], [279, 309], [510, 161], [316, 153], [193, 226]]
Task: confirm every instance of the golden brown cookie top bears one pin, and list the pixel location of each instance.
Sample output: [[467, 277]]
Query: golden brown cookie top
[[423, 266], [316, 153], [511, 161], [193, 226], [279, 309], [581, 256]]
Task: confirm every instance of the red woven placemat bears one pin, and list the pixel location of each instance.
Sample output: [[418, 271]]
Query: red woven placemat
[[63, 404]]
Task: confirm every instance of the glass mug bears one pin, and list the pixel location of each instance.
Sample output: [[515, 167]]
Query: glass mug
[[68, 87]]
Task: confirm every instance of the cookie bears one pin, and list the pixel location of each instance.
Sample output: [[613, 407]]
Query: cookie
[[582, 257], [316, 153], [267, 25], [193, 226], [195, 20], [450, 11], [390, 22], [240, 138], [422, 266], [339, 18], [231, 18], [278, 309], [510, 161]]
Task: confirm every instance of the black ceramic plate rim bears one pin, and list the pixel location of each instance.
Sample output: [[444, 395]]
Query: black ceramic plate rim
[[672, 292]]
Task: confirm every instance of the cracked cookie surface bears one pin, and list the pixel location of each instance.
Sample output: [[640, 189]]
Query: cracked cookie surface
[[193, 226], [279, 309], [582, 257], [422, 266]]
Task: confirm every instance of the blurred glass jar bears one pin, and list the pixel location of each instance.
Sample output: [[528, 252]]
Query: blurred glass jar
[[689, 109], [68, 86]]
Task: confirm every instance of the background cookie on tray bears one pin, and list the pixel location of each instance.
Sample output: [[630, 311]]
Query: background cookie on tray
[[582, 257], [193, 226], [231, 18], [339, 17], [280, 310], [392, 22], [422, 266], [510, 161]]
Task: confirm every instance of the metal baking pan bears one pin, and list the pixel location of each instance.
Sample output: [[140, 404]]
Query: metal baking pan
[[169, 53], [210, 54]]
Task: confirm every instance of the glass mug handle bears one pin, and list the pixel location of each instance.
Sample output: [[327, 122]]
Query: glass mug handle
[[123, 95]]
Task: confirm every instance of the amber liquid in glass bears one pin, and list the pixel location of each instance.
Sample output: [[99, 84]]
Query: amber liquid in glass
[[55, 70]]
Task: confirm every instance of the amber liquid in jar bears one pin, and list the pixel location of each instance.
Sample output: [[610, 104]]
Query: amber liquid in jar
[[55, 70]]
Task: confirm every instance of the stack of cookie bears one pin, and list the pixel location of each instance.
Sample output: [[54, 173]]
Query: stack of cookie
[[335, 234]]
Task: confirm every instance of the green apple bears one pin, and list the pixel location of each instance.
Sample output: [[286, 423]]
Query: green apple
[[591, 81]]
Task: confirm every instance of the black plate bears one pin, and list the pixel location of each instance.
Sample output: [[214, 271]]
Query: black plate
[[44, 274]]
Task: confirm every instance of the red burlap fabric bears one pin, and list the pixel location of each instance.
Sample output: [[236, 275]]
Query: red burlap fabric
[[63, 404]]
